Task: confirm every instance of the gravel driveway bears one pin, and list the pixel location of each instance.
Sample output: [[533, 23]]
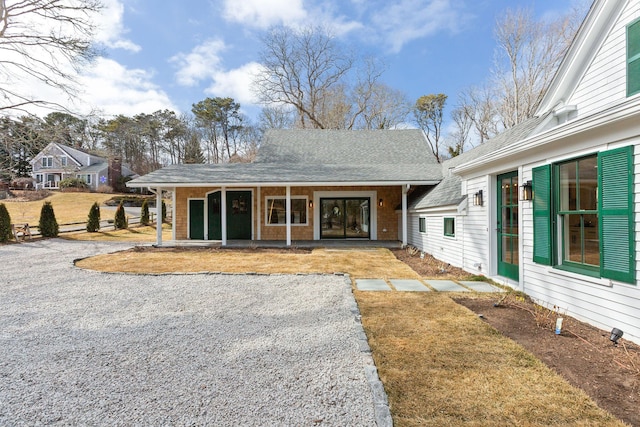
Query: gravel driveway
[[86, 348]]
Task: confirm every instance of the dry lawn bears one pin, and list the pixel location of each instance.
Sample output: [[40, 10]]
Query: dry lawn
[[442, 366], [68, 207], [376, 263], [133, 234]]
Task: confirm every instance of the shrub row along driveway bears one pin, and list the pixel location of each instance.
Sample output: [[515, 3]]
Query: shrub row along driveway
[[87, 348]]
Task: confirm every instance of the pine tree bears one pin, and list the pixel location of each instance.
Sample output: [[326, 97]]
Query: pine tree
[[5, 224], [48, 224], [121, 218], [93, 224], [144, 213]]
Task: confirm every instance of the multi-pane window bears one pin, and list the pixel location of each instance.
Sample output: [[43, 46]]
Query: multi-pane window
[[276, 210], [47, 162], [578, 211], [450, 227], [583, 215], [633, 58], [422, 225], [63, 161]]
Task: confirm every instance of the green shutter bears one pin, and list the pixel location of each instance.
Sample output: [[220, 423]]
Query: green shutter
[[542, 252], [633, 58], [617, 231]]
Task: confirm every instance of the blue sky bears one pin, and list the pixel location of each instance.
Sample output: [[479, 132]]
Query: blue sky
[[170, 54]]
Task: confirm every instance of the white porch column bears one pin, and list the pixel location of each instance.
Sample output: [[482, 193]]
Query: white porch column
[[288, 213], [223, 214], [405, 190], [158, 216], [258, 208], [173, 216]]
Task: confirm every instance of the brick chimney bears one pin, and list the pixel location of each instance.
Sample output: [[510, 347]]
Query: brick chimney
[[114, 172]]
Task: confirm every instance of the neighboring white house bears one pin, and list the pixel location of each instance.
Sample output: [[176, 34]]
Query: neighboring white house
[[57, 162], [575, 245]]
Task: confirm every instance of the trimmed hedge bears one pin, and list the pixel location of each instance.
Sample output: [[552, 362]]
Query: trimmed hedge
[[93, 223], [5, 224], [48, 224]]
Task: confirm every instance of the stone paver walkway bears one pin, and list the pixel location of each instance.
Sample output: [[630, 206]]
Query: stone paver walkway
[[413, 285]]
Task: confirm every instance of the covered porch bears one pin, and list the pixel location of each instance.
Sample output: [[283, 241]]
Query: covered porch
[[287, 216]]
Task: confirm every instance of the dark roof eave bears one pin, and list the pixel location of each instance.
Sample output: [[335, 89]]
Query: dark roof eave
[[133, 184]]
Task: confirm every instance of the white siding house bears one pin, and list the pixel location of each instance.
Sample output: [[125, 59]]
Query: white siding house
[[576, 244]]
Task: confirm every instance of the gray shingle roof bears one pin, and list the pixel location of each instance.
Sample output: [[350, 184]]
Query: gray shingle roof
[[318, 156], [448, 192]]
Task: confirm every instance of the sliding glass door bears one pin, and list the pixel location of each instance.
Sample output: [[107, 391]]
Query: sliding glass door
[[345, 218]]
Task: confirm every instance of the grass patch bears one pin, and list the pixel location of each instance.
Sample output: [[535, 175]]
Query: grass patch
[[442, 366], [68, 207], [378, 263], [133, 234]]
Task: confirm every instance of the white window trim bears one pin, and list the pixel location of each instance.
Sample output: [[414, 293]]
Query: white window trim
[[444, 230], [421, 219], [284, 198]]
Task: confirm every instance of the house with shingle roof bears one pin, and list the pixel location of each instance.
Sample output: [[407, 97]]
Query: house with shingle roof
[[551, 207], [308, 184], [57, 161]]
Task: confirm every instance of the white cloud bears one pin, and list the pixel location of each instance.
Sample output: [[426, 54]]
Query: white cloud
[[407, 20], [110, 28], [264, 13], [201, 63], [114, 89], [235, 83]]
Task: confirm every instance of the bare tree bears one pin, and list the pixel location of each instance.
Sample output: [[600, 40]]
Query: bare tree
[[43, 40], [479, 105], [276, 117], [428, 112], [460, 135], [299, 69], [527, 56]]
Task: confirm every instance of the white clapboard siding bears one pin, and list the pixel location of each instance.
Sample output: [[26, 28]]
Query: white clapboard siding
[[591, 300], [476, 237], [449, 250], [604, 82]]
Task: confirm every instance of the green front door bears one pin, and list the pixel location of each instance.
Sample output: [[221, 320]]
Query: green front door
[[239, 215], [214, 218], [508, 241], [196, 219]]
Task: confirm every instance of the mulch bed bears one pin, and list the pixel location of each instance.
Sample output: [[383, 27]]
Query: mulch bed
[[582, 354]]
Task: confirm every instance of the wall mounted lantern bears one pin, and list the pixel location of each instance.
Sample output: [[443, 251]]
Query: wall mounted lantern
[[477, 199], [310, 203], [527, 191], [380, 203]]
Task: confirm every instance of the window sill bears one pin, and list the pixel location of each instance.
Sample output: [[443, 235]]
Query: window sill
[[558, 271]]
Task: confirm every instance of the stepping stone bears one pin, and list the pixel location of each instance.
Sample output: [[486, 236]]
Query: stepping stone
[[372, 285], [482, 287], [409, 285], [446, 286]]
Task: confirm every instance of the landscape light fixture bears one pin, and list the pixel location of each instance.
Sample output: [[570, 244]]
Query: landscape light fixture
[[527, 191], [616, 334], [477, 199], [380, 203]]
